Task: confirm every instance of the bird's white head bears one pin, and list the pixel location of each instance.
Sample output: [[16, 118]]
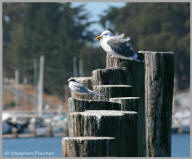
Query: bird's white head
[[106, 33]]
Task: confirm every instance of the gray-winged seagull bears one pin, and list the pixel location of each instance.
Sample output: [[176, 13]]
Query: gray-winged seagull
[[117, 46]]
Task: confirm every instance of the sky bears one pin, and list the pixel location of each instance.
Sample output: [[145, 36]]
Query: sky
[[97, 8]]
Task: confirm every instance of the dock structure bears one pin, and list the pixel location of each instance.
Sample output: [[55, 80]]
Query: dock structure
[[134, 119]]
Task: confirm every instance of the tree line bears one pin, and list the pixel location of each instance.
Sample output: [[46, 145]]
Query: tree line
[[60, 32]]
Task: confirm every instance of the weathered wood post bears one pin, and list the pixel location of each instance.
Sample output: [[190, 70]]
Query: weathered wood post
[[79, 105], [159, 77], [114, 90], [132, 104], [119, 124], [88, 146], [135, 76], [127, 103], [145, 86], [109, 76]]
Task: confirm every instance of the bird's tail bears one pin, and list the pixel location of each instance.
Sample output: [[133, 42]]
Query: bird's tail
[[97, 94], [138, 60]]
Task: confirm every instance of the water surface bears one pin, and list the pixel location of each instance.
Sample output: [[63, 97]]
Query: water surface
[[51, 147]]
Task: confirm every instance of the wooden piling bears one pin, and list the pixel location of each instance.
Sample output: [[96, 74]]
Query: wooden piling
[[127, 103], [88, 146], [119, 124], [159, 76], [114, 90], [135, 76], [132, 104], [82, 96], [109, 76], [145, 86], [79, 105]]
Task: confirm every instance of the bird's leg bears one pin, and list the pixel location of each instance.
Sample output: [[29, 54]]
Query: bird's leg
[[115, 63]]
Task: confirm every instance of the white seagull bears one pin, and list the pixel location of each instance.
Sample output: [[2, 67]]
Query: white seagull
[[80, 88], [117, 46]]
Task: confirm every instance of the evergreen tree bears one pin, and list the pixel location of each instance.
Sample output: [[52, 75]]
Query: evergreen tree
[[12, 35], [56, 30], [156, 27]]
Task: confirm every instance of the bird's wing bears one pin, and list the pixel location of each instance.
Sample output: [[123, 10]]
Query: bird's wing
[[122, 38], [95, 93], [78, 87], [122, 47]]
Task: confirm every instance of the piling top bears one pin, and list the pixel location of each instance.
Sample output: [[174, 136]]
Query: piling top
[[100, 113], [88, 138], [110, 69], [156, 52], [113, 86], [85, 100], [90, 100], [124, 98], [83, 78]]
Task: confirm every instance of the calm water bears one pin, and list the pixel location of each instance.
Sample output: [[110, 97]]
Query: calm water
[[51, 147]]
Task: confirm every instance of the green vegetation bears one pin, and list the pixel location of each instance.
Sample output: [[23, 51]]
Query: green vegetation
[[156, 27], [56, 30], [60, 32]]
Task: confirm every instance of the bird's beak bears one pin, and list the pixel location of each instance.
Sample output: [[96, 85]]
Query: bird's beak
[[98, 37]]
